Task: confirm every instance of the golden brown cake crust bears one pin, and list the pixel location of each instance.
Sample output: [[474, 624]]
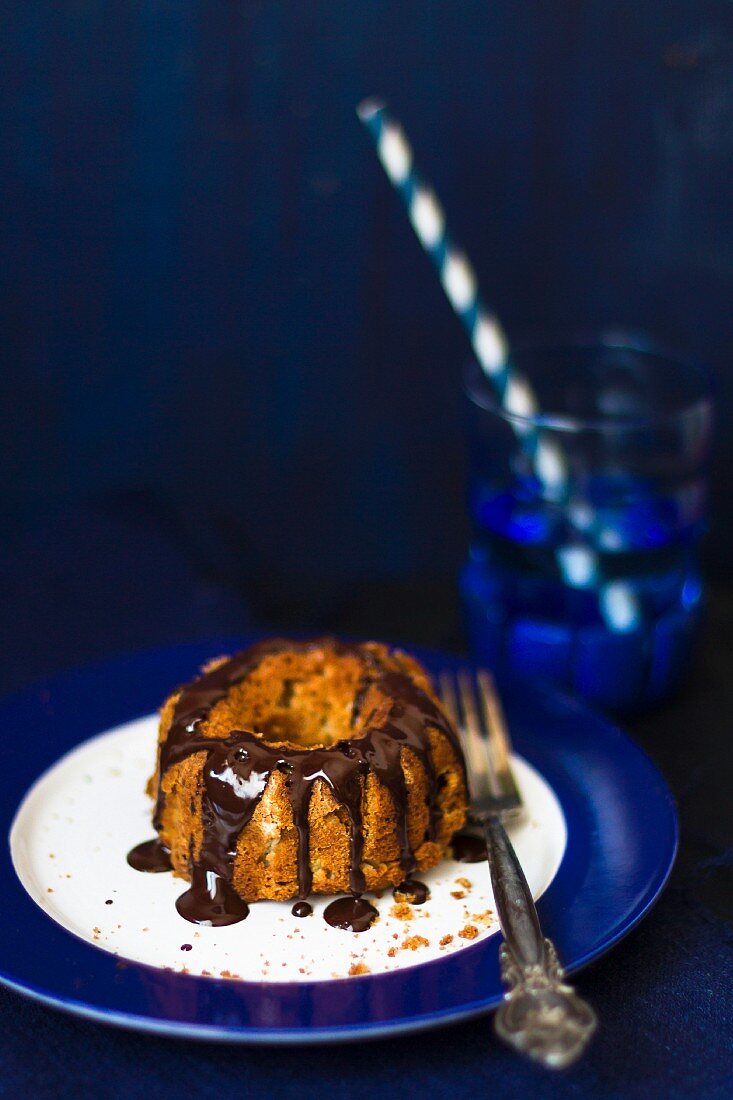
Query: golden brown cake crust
[[333, 768]]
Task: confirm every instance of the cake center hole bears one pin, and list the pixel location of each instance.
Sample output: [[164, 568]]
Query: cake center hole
[[304, 700], [291, 727]]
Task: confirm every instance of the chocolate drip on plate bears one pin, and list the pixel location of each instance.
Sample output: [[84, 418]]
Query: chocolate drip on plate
[[469, 848], [211, 901], [353, 914], [302, 909], [417, 893], [151, 856]]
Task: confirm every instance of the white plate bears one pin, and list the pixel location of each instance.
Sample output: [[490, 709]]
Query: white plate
[[75, 826]]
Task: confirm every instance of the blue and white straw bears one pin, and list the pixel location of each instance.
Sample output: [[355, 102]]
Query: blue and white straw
[[578, 563], [459, 282]]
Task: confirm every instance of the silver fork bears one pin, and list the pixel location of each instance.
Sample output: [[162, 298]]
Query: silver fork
[[540, 1015]]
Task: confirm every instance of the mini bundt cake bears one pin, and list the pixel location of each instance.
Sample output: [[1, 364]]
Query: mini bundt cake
[[305, 767]]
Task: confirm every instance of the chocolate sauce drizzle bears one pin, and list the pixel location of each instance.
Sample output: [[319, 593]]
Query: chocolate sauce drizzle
[[355, 914], [417, 893], [151, 856], [238, 767], [302, 909], [469, 848]]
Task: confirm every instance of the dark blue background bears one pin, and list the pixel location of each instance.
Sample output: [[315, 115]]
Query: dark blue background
[[229, 394], [210, 294]]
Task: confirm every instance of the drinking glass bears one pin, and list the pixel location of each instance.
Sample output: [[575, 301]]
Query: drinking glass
[[590, 580]]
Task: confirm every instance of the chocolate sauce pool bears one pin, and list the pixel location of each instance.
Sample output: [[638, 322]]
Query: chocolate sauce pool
[[238, 767], [354, 914], [468, 848], [417, 893], [211, 900], [151, 856]]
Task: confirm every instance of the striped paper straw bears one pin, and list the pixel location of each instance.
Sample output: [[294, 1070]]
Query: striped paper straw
[[578, 562], [459, 282]]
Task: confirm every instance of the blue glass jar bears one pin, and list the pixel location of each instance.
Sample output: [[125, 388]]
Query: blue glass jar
[[592, 580]]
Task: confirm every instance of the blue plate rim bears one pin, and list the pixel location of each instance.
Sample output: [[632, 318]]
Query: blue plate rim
[[133, 1007]]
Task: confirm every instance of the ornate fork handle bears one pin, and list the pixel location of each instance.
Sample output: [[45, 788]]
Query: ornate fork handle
[[540, 1015]]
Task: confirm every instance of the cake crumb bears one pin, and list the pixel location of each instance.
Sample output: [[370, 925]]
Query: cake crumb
[[358, 968], [402, 911], [392, 952], [49, 889], [482, 918], [468, 932], [458, 894], [465, 883], [446, 940], [413, 942]]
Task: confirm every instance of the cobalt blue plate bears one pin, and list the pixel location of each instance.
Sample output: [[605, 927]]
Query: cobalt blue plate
[[622, 838]]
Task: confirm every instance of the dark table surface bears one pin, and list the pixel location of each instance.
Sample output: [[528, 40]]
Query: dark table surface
[[664, 996]]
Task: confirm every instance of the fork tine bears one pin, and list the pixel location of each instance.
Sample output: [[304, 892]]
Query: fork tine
[[448, 697], [478, 757], [494, 717], [498, 735], [450, 702]]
